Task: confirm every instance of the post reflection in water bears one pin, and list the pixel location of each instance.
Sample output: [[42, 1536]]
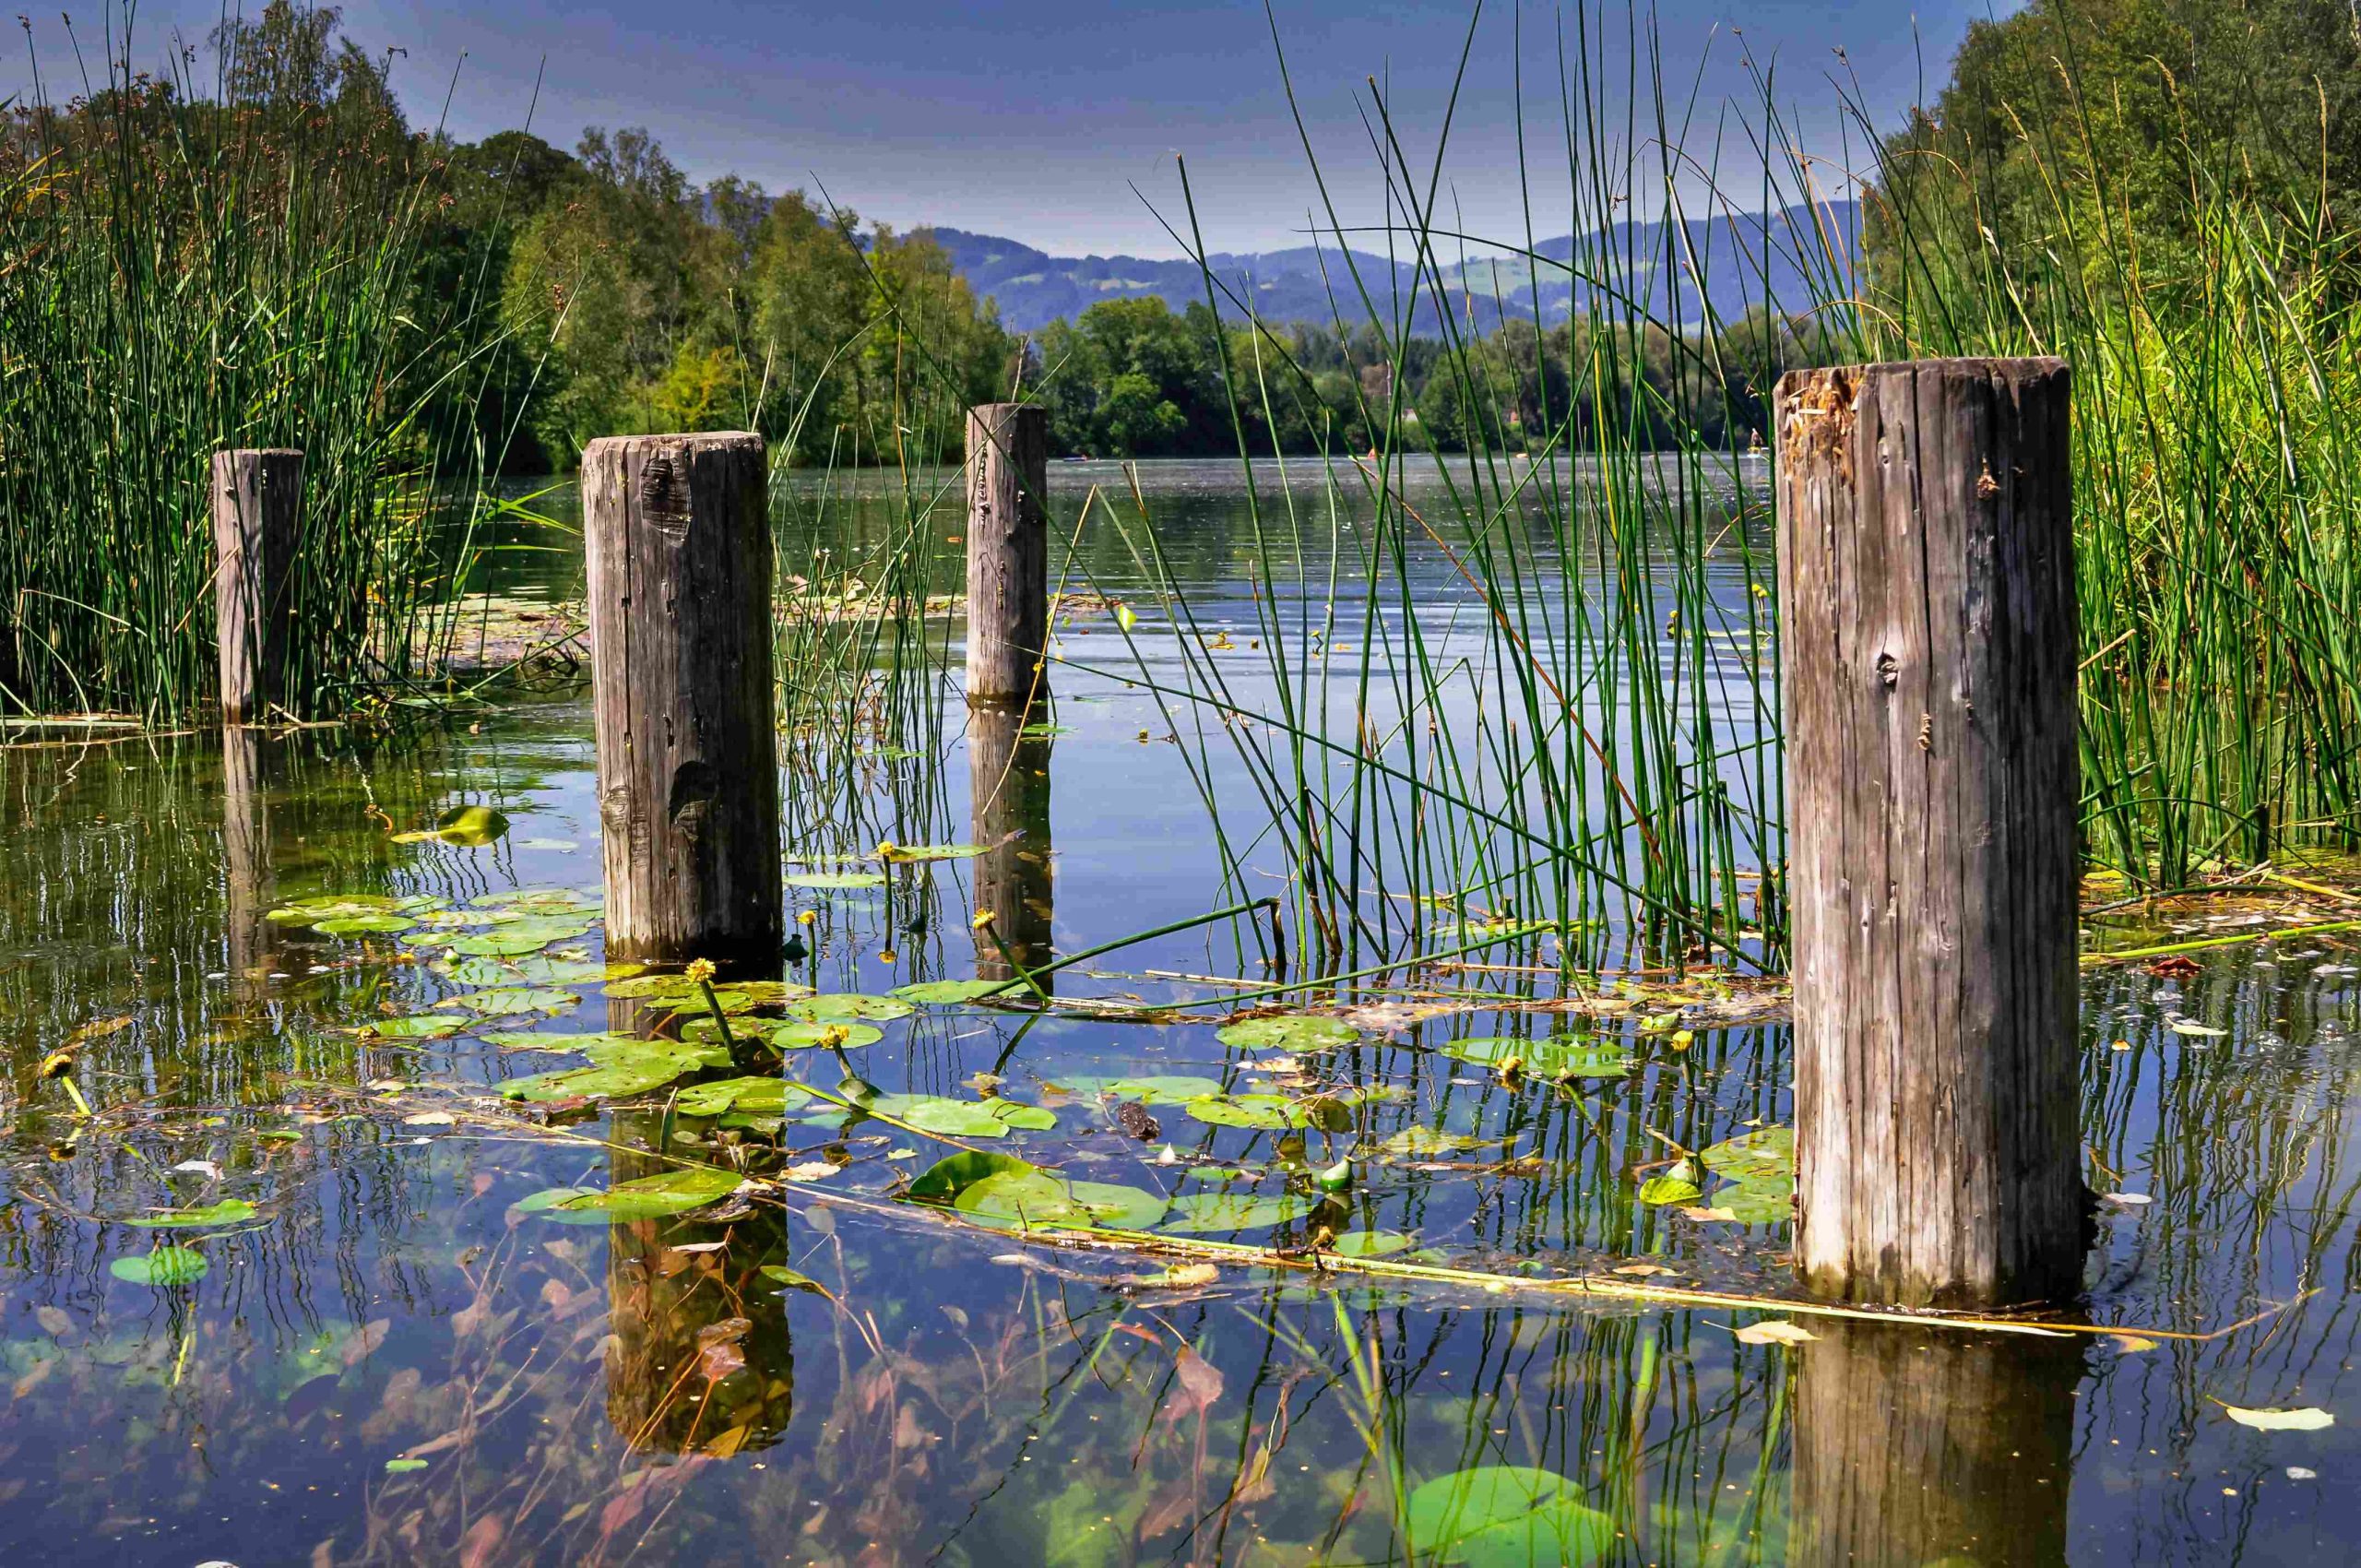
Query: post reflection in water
[[1916, 1446], [1008, 773], [249, 885], [698, 1356]]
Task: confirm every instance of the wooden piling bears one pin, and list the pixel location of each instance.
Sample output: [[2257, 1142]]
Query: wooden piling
[[1008, 553], [1927, 641], [679, 540], [258, 507], [249, 883]]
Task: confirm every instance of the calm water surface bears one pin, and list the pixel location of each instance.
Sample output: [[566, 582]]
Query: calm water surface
[[383, 1340]]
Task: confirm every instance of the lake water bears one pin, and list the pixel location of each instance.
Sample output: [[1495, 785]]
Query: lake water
[[398, 1314]]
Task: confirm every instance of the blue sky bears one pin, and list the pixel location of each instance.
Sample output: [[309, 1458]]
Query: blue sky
[[1034, 119]]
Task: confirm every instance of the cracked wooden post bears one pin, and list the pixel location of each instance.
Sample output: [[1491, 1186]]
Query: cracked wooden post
[[678, 531], [1008, 553], [257, 510], [1927, 643]]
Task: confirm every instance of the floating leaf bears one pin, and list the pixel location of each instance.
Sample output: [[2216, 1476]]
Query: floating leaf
[[1170, 1089], [165, 1265], [1368, 1243], [1043, 731], [842, 1035], [1761, 1157], [1420, 1141], [1499, 1515], [752, 1097], [1663, 1190], [1205, 1212], [362, 925], [961, 1118], [404, 1467], [831, 879], [952, 991], [649, 1197], [948, 1177], [416, 1026], [229, 1211], [782, 1275], [1775, 1331], [1548, 1057], [838, 1007], [2200, 1031], [510, 1000], [471, 826], [931, 851], [1749, 1205], [1297, 1032], [572, 971], [1269, 1113], [2312, 1418], [1013, 1199]]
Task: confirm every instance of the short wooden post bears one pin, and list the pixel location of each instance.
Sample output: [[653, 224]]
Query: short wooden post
[[1008, 553], [1008, 786], [1913, 1448], [1927, 640], [678, 531], [257, 508]]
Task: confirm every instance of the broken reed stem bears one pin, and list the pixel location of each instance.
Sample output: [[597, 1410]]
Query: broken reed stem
[[2265, 933]]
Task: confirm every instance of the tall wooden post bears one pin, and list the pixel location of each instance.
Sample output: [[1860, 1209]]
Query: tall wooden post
[[1927, 640], [679, 538], [1008, 786], [1913, 1448], [258, 507], [1008, 553]]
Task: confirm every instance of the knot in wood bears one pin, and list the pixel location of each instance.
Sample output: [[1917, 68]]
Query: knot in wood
[[1888, 670], [664, 495]]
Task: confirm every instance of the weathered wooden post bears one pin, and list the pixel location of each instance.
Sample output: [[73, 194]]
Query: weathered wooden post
[[1915, 1447], [257, 508], [679, 538], [1927, 640], [1008, 790], [248, 882], [1008, 553]]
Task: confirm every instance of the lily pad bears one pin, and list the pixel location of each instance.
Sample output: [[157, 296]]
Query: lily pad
[[165, 1265], [830, 881], [364, 925], [1269, 1113], [229, 1211], [1751, 1205], [1015, 1201], [508, 1000], [1548, 1057], [931, 851], [1763, 1156], [1163, 1088], [839, 1006], [835, 1035], [416, 1026], [1369, 1244], [1294, 1032], [650, 1197], [1499, 1515], [947, 993], [1663, 1190], [752, 1097], [962, 1118], [1200, 1214]]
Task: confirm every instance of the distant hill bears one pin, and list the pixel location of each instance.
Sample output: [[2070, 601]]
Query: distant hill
[[1740, 255]]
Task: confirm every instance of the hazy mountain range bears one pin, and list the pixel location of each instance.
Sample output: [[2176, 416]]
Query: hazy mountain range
[[1791, 259]]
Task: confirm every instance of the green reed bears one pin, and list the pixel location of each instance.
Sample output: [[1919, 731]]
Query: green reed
[[1547, 686], [182, 269]]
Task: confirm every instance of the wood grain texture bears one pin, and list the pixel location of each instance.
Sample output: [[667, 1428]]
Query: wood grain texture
[[257, 511], [1008, 553], [1928, 644], [679, 551], [1008, 783], [249, 883], [1912, 1450]]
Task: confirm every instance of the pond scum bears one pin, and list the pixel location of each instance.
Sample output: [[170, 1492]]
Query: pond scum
[[1484, 1026]]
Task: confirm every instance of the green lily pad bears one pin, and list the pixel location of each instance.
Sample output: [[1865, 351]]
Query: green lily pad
[[416, 1026], [650, 1197], [1664, 1190], [1505, 1517], [1200, 1214], [840, 1006], [470, 827], [544, 970], [751, 1097], [1423, 1142], [1295, 1032], [1043, 731], [548, 900], [364, 925], [781, 1274], [932, 851], [165, 1265], [954, 1174], [229, 1211], [952, 991], [1269, 1113], [1169, 1089], [1369, 1244], [1765, 1154], [1011, 1200], [841, 1035], [962, 1118], [835, 880], [1751, 1205], [1548, 1057], [510, 1000]]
